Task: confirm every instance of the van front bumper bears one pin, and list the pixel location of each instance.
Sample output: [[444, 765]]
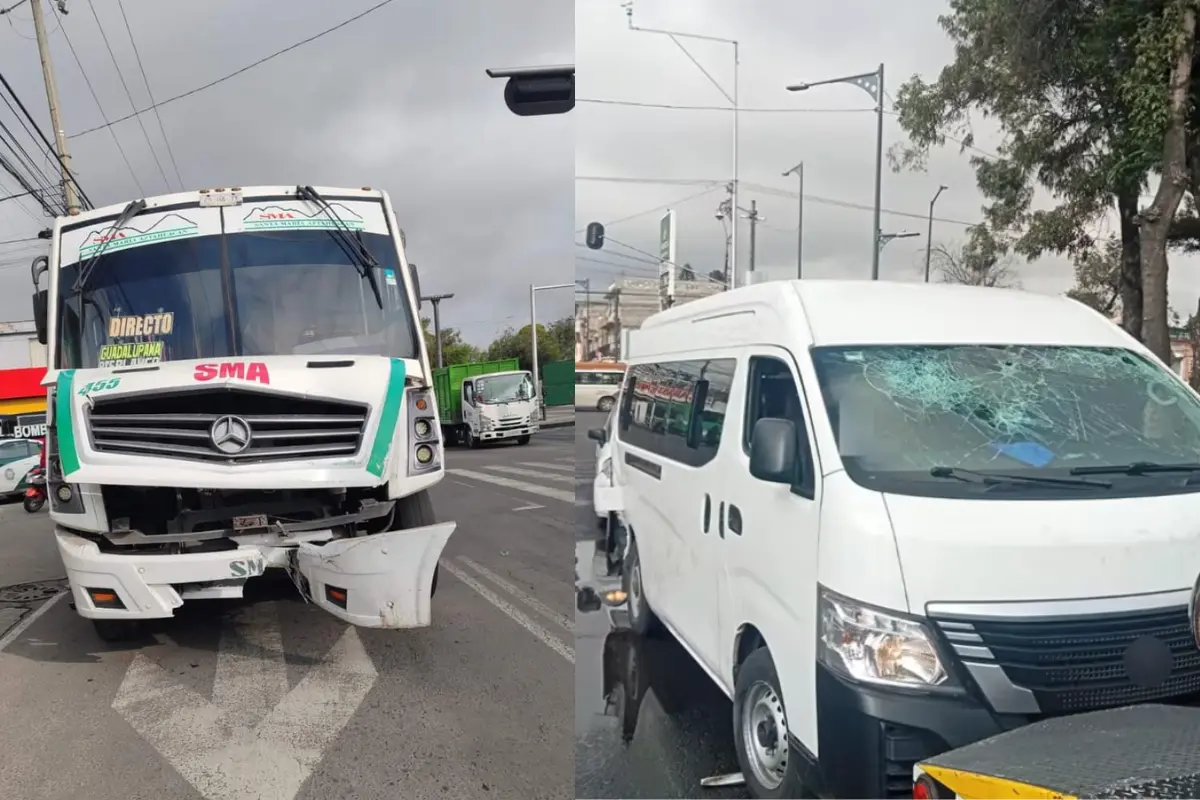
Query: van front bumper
[[869, 738]]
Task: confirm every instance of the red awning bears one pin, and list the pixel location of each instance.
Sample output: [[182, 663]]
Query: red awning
[[18, 384]]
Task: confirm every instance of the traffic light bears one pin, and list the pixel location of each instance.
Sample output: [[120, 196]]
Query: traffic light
[[538, 91], [595, 235]]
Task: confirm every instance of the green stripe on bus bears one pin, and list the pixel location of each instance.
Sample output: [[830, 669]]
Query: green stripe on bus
[[64, 426], [385, 434]]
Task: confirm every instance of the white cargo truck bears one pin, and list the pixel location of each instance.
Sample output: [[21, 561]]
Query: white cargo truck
[[238, 383]]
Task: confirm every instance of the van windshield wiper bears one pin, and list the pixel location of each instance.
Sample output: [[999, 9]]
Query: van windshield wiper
[[359, 255], [129, 212], [996, 478], [1137, 468]]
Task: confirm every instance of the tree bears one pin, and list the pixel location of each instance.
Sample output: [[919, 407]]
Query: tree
[[981, 261], [1077, 118], [454, 349], [562, 331], [686, 273], [1177, 47], [1098, 277], [717, 276], [518, 344]]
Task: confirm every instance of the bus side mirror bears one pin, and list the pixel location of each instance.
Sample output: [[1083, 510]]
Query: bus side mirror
[[41, 302], [416, 282]]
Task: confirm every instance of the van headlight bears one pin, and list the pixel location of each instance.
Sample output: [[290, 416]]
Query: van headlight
[[869, 645]]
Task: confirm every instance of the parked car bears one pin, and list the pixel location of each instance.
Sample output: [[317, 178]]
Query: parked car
[[17, 457]]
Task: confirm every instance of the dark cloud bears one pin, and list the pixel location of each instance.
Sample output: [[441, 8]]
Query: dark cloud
[[398, 100], [781, 42]]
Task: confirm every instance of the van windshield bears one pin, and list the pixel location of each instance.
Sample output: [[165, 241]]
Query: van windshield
[[1033, 411]]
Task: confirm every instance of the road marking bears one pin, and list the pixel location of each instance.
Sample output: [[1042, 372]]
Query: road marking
[[513, 613], [266, 751], [530, 507], [29, 619], [547, 465], [529, 473], [509, 483], [537, 605]]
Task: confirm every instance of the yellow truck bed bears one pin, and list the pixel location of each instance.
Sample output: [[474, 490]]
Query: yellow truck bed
[[1146, 751]]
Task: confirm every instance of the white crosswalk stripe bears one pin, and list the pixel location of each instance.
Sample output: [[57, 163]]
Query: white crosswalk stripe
[[527, 487], [529, 473], [548, 465]]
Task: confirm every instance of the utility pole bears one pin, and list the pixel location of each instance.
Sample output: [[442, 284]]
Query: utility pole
[[60, 137], [437, 299], [929, 235], [798, 171], [754, 218], [587, 319]]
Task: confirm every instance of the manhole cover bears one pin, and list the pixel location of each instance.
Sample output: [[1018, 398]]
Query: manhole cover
[[31, 592]]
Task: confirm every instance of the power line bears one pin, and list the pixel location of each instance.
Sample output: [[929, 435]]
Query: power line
[[128, 94], [100, 107], [146, 80], [665, 207], [726, 109], [49, 147], [22, 155], [652, 261], [234, 74]]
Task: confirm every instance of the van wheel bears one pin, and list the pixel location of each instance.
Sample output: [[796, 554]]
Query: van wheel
[[523, 440], [760, 731], [641, 618], [605, 404], [116, 631]]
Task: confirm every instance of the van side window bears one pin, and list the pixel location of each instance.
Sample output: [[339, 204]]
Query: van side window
[[676, 409], [772, 394], [585, 377]]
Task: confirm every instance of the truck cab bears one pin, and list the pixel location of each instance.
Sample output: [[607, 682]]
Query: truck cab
[[237, 382], [499, 405]]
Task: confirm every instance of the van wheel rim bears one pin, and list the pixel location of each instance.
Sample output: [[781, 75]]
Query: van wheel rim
[[635, 590], [765, 735]]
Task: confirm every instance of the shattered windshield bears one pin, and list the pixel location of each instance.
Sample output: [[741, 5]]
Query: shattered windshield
[[504, 388], [899, 412]]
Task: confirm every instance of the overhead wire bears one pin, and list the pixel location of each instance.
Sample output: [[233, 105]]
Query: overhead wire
[[56, 156], [128, 94], [100, 107], [235, 73], [161, 128]]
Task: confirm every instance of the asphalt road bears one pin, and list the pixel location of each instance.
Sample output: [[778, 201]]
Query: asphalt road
[[477, 705], [651, 723]]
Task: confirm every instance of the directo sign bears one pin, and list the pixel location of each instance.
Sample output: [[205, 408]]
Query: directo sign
[[242, 370]]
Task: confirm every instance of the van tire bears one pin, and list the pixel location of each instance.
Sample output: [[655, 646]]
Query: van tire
[[641, 618], [523, 440], [605, 404], [757, 689]]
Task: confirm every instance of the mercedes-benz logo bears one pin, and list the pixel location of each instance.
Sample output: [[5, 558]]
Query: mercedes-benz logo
[[230, 435]]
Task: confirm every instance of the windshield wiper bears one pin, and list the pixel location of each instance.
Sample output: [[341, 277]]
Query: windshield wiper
[[995, 478], [360, 256], [129, 212], [1136, 468]]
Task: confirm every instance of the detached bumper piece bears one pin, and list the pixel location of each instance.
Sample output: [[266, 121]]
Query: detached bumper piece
[[1149, 751]]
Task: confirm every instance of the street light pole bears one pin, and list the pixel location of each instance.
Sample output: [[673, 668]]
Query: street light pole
[[537, 383], [798, 171], [733, 100], [872, 84], [929, 235], [437, 299]]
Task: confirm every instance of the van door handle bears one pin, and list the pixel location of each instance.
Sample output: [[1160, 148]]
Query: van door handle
[[707, 512], [721, 520], [735, 520]]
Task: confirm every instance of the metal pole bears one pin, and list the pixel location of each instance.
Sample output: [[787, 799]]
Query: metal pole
[[537, 386], [733, 237], [800, 226], [587, 319], [878, 173], [753, 230], [437, 331], [929, 233], [60, 138]]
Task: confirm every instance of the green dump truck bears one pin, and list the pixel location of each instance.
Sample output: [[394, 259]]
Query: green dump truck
[[485, 402]]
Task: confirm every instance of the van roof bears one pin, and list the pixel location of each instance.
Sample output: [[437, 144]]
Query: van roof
[[860, 312]]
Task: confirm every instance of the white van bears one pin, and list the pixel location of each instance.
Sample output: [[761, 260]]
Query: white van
[[893, 519], [597, 385]]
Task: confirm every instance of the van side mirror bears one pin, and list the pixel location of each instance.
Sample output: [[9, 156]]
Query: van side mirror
[[598, 434], [773, 452], [41, 301]]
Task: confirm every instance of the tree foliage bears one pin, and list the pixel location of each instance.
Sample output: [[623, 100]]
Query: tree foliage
[[980, 261], [454, 349], [1081, 93], [556, 342], [1098, 277]]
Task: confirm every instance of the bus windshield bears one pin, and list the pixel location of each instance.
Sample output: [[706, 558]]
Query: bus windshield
[[284, 292]]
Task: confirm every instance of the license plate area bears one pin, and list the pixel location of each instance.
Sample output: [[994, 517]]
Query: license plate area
[[250, 522]]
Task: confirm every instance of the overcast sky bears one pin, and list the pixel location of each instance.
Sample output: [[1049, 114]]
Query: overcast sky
[[398, 100], [781, 42]]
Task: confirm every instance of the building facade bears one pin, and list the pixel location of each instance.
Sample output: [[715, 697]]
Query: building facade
[[630, 301]]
